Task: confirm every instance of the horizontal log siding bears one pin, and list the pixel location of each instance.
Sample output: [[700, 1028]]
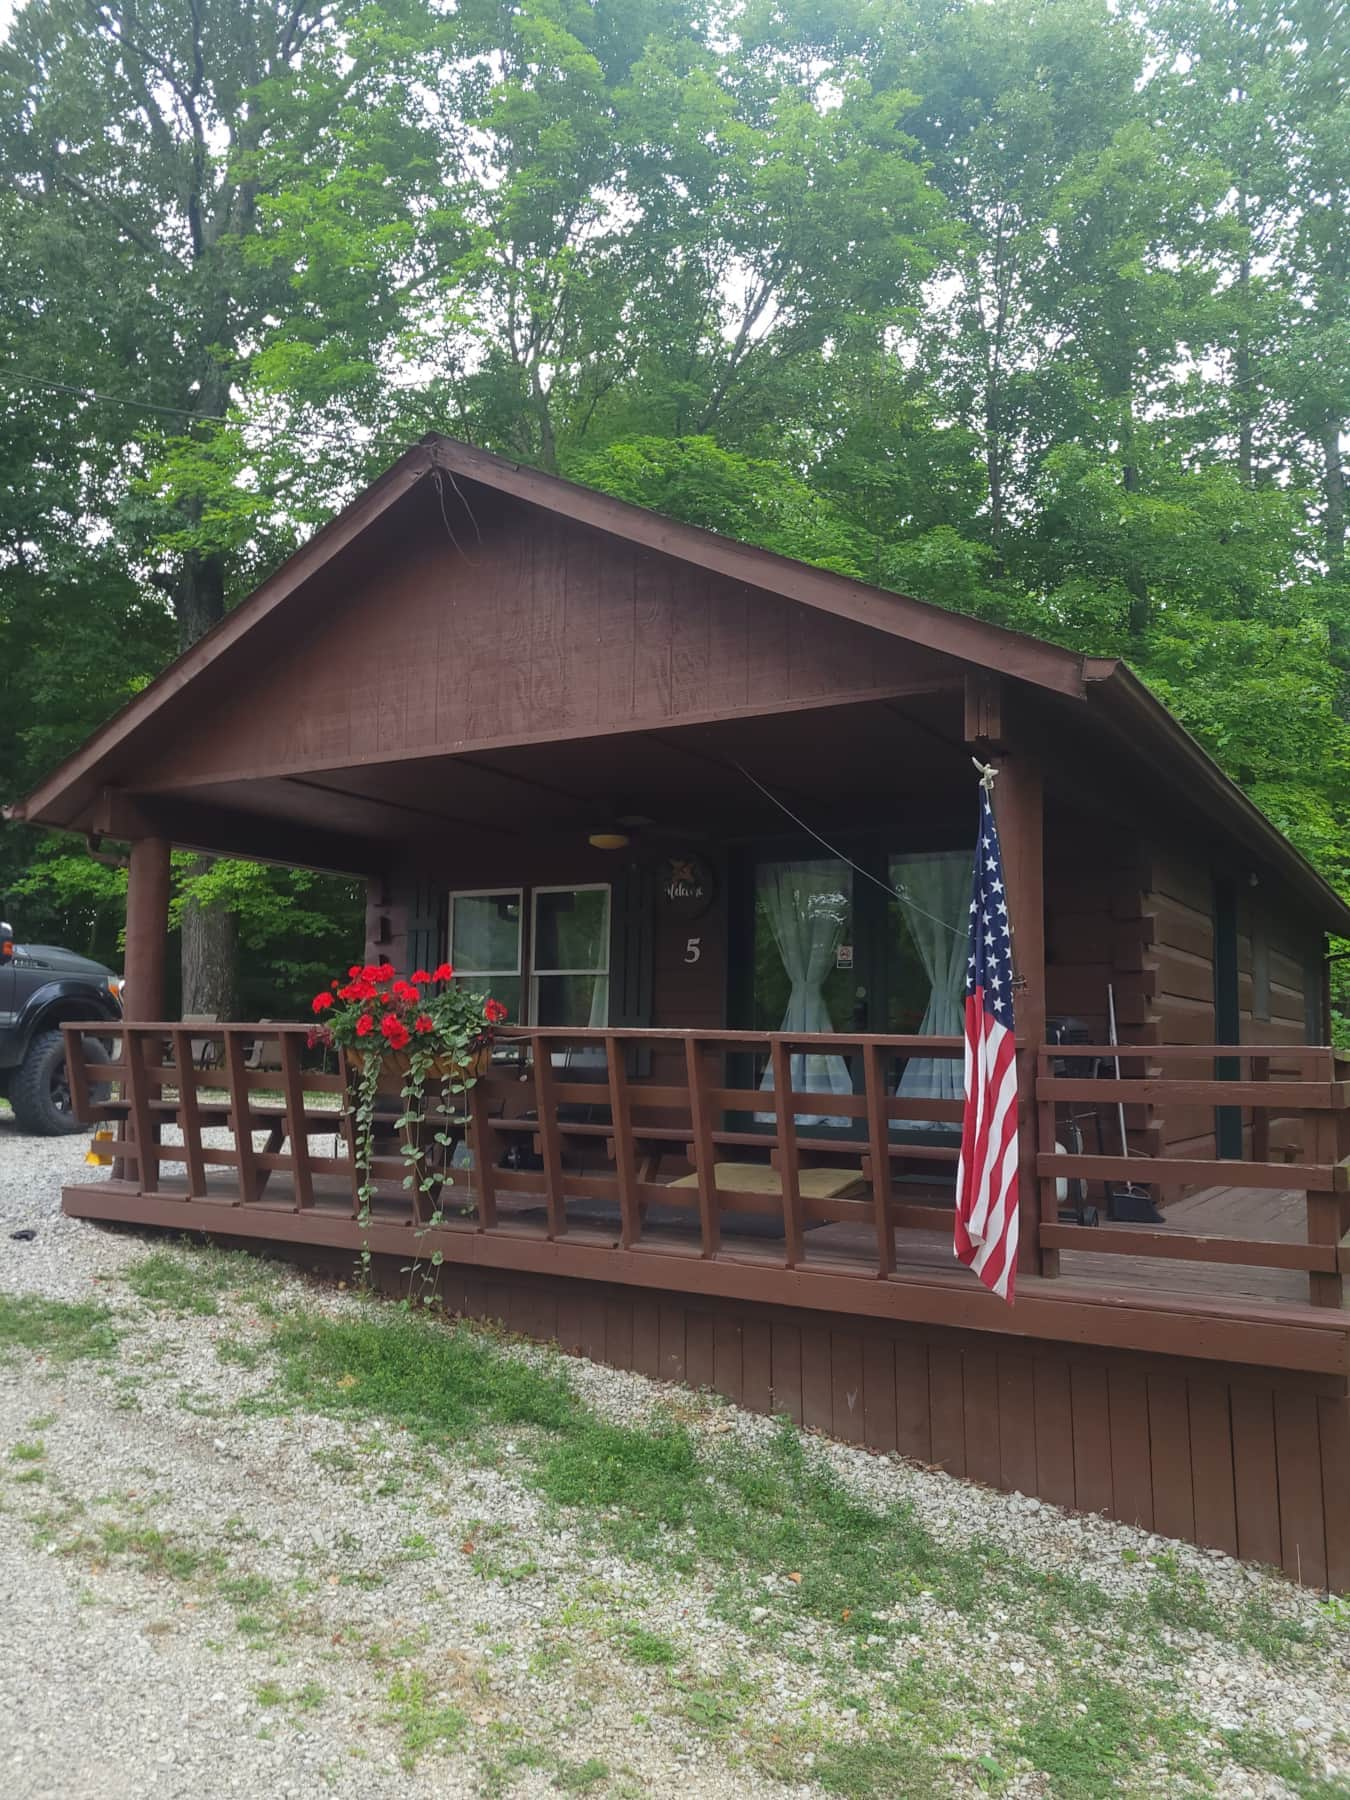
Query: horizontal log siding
[[1096, 936], [1178, 907], [1179, 904]]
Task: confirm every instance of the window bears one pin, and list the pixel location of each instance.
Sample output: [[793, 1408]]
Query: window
[[567, 979], [569, 957], [485, 943]]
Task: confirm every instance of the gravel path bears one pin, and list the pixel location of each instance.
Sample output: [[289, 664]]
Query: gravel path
[[204, 1593]]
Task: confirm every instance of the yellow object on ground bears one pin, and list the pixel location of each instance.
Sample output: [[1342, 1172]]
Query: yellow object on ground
[[96, 1157]]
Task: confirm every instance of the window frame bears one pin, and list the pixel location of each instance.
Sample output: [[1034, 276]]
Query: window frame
[[489, 893], [526, 970], [531, 985]]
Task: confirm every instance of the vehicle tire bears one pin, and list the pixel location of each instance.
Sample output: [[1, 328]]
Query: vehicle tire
[[39, 1089]]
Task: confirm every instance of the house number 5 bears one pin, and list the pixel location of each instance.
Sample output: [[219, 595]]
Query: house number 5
[[693, 950]]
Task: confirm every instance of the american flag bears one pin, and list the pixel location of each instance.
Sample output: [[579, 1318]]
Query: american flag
[[986, 1176]]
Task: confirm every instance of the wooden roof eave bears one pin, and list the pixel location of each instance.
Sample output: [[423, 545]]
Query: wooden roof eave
[[1140, 723]]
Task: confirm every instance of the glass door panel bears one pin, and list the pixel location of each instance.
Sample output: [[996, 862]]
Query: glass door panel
[[927, 931], [804, 980]]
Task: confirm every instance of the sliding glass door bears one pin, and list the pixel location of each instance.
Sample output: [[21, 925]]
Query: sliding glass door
[[876, 947], [803, 956]]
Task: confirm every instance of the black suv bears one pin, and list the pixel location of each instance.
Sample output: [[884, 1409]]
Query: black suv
[[39, 988]]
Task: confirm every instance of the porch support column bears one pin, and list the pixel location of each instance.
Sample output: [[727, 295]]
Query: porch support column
[[147, 929], [1019, 803]]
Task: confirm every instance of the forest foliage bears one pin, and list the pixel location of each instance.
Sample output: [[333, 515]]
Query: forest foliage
[[1033, 308]]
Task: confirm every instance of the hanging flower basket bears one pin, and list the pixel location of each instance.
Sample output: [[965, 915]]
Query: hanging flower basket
[[401, 1037], [451, 1065]]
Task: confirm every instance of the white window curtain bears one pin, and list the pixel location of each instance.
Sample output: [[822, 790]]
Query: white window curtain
[[806, 904], [934, 894]]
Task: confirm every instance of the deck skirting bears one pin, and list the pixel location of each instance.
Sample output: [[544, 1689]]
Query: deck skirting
[[1241, 1445]]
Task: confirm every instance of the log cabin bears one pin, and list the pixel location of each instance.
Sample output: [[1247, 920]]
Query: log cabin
[[702, 816]]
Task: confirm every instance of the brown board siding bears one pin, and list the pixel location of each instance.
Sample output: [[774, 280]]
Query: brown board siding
[[550, 629]]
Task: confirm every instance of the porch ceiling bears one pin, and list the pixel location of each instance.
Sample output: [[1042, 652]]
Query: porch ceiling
[[836, 765]]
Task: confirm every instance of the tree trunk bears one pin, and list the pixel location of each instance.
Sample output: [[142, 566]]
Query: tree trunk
[[1333, 496], [1333, 528], [993, 462], [199, 597], [210, 943], [1242, 358]]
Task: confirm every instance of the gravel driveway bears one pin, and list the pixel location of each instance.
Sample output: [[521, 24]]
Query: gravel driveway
[[223, 1571]]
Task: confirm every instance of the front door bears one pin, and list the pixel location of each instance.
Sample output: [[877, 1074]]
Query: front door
[[875, 943]]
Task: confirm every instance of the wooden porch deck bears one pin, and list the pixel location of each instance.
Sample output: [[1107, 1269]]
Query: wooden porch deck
[[573, 1177], [1246, 1315]]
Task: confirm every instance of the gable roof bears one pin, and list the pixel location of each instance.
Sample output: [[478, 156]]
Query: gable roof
[[1123, 705]]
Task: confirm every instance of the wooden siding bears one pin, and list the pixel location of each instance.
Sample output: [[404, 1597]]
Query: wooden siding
[[1179, 904], [1272, 943], [548, 630]]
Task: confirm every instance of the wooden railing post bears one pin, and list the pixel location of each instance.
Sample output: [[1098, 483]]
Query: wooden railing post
[[705, 1151], [1044, 1117], [789, 1161], [241, 1113], [625, 1157], [138, 1096], [1019, 805], [189, 1119], [1325, 1288], [1260, 1071], [550, 1143], [297, 1133], [482, 1143], [879, 1152]]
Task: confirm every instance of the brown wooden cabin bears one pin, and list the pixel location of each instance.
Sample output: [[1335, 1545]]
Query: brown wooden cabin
[[697, 812]]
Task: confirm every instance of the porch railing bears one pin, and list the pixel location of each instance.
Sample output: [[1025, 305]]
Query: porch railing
[[696, 1143], [562, 1116], [1290, 1098]]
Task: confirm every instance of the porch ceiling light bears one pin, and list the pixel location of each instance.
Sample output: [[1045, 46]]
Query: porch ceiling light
[[608, 837]]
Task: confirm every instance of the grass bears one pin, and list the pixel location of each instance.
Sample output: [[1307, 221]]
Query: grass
[[648, 1648], [787, 1542], [155, 1552], [192, 1279], [1265, 1754], [444, 1385], [301, 1700], [784, 1542], [424, 1723], [581, 1777], [63, 1331]]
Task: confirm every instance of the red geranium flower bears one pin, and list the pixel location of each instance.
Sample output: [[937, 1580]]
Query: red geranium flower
[[389, 1024], [406, 992], [398, 1037], [425, 1024], [365, 1025], [371, 972], [354, 971], [443, 972], [385, 972], [419, 975], [321, 1002], [494, 1012]]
